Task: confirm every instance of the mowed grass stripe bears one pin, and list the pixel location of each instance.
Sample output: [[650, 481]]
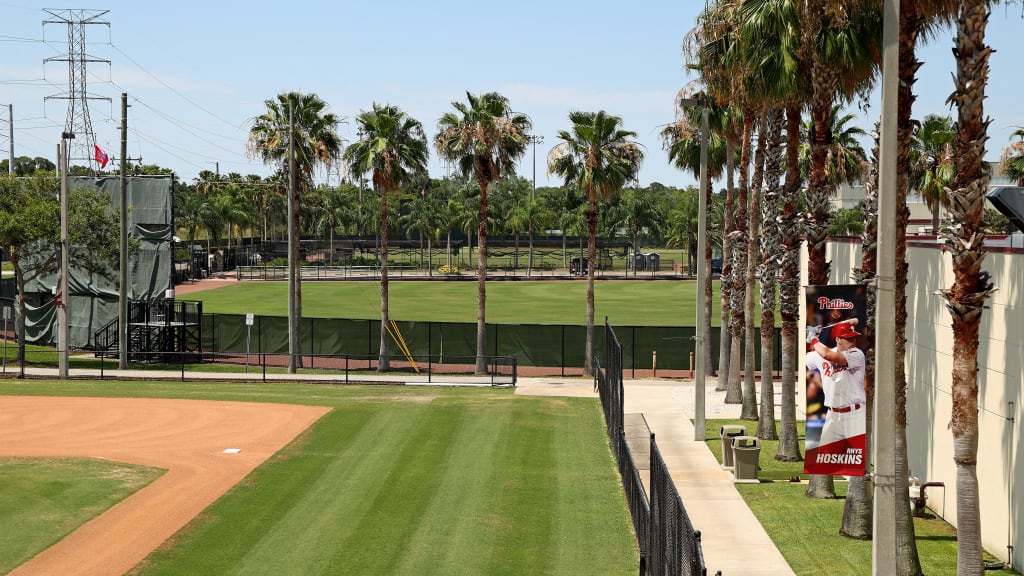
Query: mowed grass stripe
[[312, 536], [524, 515], [589, 495], [456, 529], [383, 536]]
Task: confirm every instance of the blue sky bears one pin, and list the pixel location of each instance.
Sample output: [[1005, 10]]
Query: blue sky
[[197, 73]]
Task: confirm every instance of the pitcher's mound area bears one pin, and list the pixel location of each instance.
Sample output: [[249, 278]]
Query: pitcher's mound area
[[188, 438]]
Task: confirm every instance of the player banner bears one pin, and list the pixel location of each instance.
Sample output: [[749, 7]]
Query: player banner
[[836, 399]]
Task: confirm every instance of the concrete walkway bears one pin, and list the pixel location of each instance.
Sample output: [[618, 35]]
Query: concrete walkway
[[732, 538]]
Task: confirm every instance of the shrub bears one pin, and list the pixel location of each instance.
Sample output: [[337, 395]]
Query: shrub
[[446, 269]]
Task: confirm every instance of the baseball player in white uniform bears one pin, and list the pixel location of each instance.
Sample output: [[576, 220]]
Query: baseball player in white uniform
[[842, 378]]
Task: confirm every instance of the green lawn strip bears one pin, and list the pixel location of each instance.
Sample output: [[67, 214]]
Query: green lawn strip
[[806, 530], [633, 303], [44, 499], [406, 481]]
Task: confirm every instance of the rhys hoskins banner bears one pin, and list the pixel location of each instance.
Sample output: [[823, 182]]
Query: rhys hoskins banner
[[836, 398]]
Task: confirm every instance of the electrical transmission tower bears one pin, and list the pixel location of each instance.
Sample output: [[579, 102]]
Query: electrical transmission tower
[[78, 124]]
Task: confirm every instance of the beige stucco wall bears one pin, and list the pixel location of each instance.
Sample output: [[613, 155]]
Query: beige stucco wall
[[929, 366]]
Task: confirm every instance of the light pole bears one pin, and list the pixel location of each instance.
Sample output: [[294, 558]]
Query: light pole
[[702, 218], [535, 140], [883, 547]]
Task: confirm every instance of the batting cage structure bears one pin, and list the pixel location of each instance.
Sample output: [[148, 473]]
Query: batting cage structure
[[668, 543]]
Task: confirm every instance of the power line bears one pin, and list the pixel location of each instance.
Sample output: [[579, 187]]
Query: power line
[[169, 87]]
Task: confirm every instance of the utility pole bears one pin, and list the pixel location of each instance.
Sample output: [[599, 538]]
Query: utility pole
[[122, 289], [63, 298]]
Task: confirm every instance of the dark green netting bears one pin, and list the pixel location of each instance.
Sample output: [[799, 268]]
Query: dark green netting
[[532, 344], [93, 298]]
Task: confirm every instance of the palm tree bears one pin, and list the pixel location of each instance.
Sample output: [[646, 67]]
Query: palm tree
[[640, 211], [596, 156], [537, 215], [298, 133], [421, 218], [932, 162], [333, 211], [1013, 158], [484, 138], [915, 18], [768, 268], [393, 149], [972, 285]]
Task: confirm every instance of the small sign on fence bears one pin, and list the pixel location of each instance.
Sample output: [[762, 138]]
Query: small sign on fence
[[249, 319]]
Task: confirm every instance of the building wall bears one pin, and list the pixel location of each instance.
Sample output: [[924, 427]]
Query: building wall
[[929, 367]]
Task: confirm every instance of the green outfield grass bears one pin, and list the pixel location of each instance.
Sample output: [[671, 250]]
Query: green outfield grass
[[806, 530], [44, 499], [406, 480], [632, 303]]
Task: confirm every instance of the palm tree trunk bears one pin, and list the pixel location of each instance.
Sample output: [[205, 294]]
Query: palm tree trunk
[[481, 287], [734, 392], [725, 279], [588, 368], [768, 269], [858, 511], [971, 285], [789, 292], [529, 263], [383, 358], [708, 293], [911, 21], [749, 410]]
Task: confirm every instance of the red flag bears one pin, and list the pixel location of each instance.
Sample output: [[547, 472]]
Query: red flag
[[101, 157], [423, 193]]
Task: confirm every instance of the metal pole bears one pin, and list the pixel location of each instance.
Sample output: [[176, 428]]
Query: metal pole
[[883, 544], [10, 140], [698, 333], [63, 333], [122, 288], [293, 335]]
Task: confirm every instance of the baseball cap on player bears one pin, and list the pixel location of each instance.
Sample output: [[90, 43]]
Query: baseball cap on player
[[844, 330]]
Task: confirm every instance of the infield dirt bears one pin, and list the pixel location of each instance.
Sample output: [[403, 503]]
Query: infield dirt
[[188, 438]]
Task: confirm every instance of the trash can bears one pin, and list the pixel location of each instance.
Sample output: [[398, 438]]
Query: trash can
[[654, 262], [639, 262], [727, 433], [747, 454]]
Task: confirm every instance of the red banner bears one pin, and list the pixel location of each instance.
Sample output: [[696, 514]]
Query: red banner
[[836, 398]]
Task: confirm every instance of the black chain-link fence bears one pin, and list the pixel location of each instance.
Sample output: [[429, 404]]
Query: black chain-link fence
[[543, 350], [669, 545]]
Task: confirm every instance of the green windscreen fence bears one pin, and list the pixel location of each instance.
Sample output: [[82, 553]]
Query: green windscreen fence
[[532, 344], [93, 298]]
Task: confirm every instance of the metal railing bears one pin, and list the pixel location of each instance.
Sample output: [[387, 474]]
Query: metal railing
[[669, 545]]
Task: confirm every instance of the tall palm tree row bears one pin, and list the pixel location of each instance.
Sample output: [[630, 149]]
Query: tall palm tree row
[[392, 149], [298, 133], [483, 139], [972, 284], [598, 157]]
